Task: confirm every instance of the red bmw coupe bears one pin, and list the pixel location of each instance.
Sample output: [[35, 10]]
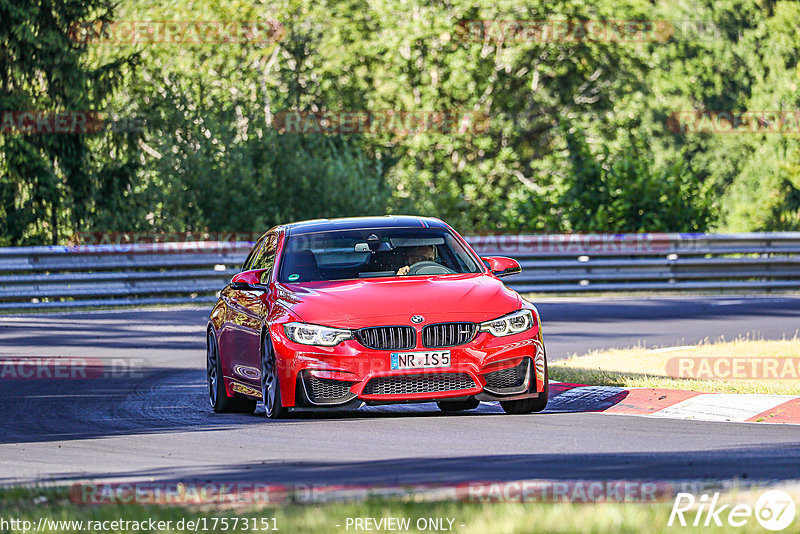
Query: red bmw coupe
[[335, 314]]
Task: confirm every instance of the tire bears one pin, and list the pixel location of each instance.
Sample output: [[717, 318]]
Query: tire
[[458, 406], [270, 382], [217, 396], [536, 404]]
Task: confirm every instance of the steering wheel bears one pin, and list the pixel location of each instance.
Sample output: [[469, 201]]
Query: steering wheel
[[428, 267]]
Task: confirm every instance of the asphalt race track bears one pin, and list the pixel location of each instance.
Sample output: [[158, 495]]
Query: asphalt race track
[[156, 424]]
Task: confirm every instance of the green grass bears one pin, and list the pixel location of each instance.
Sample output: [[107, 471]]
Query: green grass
[[487, 518], [647, 368]]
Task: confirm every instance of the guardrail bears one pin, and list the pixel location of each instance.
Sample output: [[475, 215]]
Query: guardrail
[[166, 273]]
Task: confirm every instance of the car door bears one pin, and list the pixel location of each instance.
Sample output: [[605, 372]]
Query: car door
[[230, 332], [247, 309]]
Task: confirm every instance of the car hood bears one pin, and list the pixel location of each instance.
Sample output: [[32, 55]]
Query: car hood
[[372, 302]]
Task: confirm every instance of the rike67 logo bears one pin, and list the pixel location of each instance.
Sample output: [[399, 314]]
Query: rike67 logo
[[774, 510]]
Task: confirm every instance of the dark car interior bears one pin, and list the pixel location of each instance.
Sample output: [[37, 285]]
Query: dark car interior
[[303, 266]]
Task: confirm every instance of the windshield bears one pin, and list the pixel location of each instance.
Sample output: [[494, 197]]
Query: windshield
[[373, 253]]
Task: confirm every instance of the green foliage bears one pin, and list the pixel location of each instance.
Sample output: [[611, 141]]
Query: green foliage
[[211, 157], [49, 182], [746, 60], [627, 193]]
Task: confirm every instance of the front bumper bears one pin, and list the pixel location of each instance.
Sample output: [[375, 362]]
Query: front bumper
[[349, 374]]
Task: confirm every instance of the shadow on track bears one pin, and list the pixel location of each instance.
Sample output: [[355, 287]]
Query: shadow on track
[[756, 463]]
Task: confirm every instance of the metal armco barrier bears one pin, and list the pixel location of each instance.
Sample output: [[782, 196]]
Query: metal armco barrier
[[168, 273]]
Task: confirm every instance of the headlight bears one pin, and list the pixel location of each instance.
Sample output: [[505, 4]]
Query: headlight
[[314, 334], [513, 323]]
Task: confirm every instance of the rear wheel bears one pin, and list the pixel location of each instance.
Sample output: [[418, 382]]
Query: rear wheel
[[217, 396], [536, 404], [270, 383], [459, 405]]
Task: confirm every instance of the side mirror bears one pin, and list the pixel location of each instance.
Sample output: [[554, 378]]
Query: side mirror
[[256, 280], [500, 266]]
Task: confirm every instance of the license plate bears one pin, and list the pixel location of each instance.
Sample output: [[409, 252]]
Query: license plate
[[420, 360]]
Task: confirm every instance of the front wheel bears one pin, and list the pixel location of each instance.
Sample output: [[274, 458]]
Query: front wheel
[[217, 396], [270, 383], [530, 405]]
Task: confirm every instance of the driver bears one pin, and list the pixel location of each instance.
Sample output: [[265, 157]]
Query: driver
[[418, 254]]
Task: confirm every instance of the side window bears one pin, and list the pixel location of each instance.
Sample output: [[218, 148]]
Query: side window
[[265, 258], [246, 266]]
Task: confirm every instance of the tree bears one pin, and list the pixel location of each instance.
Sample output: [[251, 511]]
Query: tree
[[624, 193], [48, 181]]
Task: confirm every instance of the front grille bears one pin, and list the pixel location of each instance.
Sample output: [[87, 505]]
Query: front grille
[[510, 380], [422, 383], [326, 391], [387, 337], [447, 334]]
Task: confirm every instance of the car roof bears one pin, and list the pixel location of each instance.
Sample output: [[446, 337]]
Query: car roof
[[357, 223]]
